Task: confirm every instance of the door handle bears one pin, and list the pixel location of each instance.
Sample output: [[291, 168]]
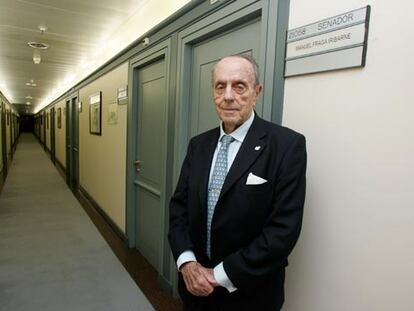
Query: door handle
[[138, 165]]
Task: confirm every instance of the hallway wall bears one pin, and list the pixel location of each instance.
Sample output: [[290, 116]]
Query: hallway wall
[[60, 133], [9, 117], [102, 158], [355, 251]]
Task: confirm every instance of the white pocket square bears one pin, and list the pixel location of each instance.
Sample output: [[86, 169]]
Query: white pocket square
[[252, 179]]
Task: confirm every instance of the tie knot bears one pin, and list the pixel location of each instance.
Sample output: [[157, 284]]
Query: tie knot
[[227, 140]]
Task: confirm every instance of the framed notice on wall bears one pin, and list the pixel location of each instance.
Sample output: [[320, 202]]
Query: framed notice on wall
[[95, 114], [59, 118], [113, 113]]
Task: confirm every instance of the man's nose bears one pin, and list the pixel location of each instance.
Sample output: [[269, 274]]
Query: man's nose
[[228, 94]]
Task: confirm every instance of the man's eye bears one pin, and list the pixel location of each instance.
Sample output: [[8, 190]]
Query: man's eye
[[219, 88], [239, 88]]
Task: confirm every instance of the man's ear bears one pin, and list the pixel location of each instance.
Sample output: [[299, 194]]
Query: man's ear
[[258, 89]]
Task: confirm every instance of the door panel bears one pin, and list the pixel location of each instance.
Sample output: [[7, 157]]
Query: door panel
[[3, 144], [72, 167], [52, 135], [150, 152], [242, 40], [75, 143]]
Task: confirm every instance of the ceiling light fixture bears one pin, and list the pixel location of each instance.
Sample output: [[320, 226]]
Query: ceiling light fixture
[[31, 83], [36, 58], [38, 45], [43, 28], [28, 103], [29, 97]]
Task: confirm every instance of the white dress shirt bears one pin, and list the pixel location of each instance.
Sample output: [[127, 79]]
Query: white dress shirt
[[239, 134]]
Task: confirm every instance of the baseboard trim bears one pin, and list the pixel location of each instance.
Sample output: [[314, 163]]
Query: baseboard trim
[[104, 215], [61, 169], [166, 286]]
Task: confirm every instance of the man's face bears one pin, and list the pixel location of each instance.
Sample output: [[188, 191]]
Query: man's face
[[234, 91]]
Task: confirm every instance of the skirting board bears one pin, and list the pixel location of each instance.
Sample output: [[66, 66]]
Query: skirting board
[[96, 206]]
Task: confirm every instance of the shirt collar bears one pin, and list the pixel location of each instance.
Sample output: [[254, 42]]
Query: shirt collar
[[240, 133]]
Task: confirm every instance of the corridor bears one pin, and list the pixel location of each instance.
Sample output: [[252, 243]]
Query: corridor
[[52, 257]]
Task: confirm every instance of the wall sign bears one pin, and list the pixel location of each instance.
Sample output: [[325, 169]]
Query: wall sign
[[337, 42], [122, 95]]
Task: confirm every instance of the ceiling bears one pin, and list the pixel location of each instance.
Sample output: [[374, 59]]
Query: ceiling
[[74, 30]]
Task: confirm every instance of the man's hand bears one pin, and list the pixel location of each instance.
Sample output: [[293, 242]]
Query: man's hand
[[209, 273], [197, 278]]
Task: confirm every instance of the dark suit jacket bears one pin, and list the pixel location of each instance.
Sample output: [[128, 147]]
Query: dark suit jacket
[[254, 227]]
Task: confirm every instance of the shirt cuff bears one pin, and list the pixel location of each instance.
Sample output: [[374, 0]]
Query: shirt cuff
[[185, 256], [222, 279]]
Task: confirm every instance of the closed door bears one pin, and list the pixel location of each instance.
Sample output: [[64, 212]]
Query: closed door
[[150, 160], [44, 130], [3, 145], [52, 134], [72, 161], [242, 40]]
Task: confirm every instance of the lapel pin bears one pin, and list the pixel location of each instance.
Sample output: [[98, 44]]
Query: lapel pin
[[257, 148]]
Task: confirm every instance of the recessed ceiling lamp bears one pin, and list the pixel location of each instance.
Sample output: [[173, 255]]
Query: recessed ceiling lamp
[[31, 83], [38, 46], [28, 103], [42, 28], [36, 58], [29, 97]]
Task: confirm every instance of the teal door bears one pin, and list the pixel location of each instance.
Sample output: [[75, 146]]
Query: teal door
[[3, 144], [44, 130], [52, 135], [242, 40], [150, 160], [72, 154]]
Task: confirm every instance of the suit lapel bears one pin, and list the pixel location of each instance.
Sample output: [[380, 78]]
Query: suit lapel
[[251, 148]]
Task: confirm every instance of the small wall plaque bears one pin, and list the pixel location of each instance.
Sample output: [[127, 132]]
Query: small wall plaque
[[122, 96], [334, 43]]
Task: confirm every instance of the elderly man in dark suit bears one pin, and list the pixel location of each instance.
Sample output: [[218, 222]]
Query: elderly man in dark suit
[[237, 210]]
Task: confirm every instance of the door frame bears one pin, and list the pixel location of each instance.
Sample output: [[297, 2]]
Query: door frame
[[72, 129], [160, 51], [3, 139], [44, 130], [52, 135]]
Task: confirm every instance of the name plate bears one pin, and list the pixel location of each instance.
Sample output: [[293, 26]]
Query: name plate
[[122, 95], [321, 46]]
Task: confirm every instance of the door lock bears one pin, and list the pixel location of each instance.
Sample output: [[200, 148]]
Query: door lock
[[138, 165]]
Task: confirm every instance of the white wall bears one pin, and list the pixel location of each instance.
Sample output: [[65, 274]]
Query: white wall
[[356, 251]]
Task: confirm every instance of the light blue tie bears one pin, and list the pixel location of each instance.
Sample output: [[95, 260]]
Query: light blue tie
[[216, 183]]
